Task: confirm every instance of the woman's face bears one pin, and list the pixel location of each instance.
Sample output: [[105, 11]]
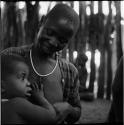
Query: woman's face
[[54, 35]]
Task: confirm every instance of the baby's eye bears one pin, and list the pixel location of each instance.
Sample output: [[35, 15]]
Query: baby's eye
[[23, 76]]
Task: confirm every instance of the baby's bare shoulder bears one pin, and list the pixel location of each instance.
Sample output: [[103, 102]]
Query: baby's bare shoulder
[[14, 104], [18, 101]]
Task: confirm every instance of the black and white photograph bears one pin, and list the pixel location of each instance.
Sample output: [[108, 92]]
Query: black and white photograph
[[61, 62]]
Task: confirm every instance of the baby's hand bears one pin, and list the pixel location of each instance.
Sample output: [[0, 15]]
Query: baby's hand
[[37, 89], [38, 96], [37, 92]]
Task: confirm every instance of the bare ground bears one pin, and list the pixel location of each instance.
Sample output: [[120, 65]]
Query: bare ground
[[95, 111]]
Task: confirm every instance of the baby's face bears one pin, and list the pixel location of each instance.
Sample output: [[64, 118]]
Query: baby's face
[[17, 82]]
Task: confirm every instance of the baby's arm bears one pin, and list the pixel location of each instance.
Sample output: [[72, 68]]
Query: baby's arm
[[33, 113], [38, 97]]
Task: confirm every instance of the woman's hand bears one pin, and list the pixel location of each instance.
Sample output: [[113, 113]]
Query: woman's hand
[[62, 111]]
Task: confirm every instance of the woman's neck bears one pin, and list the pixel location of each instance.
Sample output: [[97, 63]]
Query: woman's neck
[[43, 66], [42, 57]]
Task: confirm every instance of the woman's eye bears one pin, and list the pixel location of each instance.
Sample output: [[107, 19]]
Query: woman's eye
[[62, 40]]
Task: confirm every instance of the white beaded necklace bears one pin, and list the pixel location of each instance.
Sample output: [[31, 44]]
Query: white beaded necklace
[[35, 69]]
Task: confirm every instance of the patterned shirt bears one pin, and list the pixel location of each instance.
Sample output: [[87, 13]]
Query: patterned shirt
[[69, 75]]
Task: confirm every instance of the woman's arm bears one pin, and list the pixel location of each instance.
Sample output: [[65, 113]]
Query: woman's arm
[[70, 110]]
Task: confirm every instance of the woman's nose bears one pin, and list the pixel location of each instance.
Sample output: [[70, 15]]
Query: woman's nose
[[53, 41]]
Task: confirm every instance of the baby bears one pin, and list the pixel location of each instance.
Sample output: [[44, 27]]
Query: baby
[[15, 90]]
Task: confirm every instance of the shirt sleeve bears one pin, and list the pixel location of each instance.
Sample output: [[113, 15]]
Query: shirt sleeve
[[74, 98], [11, 51], [16, 50]]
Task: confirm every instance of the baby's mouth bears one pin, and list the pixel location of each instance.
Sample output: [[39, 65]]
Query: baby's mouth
[[29, 92]]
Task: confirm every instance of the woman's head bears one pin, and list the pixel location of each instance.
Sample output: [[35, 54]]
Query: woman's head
[[60, 25]]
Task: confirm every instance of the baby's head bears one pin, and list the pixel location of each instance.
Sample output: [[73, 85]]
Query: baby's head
[[14, 76]]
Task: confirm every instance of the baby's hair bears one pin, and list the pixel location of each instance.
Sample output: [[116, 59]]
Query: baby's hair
[[7, 64]]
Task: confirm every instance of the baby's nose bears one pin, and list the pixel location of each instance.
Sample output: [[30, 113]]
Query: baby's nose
[[28, 83]]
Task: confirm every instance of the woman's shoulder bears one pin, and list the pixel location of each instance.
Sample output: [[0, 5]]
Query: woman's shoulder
[[64, 64], [16, 50]]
